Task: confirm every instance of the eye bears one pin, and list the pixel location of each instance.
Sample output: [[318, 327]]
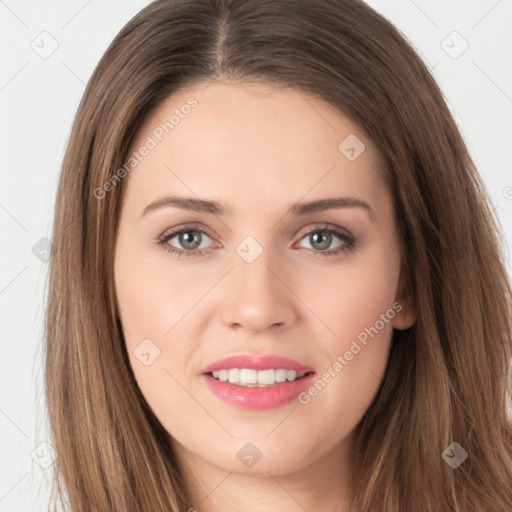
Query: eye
[[320, 237], [189, 238]]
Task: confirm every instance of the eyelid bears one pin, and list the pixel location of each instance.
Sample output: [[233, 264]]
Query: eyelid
[[321, 226], [176, 230]]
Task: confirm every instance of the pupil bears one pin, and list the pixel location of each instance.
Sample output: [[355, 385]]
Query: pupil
[[194, 240], [326, 239]]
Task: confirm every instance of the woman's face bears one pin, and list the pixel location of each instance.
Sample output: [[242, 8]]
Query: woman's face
[[258, 273]]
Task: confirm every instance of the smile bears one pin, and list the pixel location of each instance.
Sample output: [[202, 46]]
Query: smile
[[256, 378]]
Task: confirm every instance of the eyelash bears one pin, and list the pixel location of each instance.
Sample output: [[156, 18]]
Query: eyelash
[[348, 246]]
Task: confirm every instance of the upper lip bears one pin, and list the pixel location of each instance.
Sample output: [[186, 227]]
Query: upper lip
[[262, 362]]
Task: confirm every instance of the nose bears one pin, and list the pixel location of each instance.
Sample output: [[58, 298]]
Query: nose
[[258, 296]]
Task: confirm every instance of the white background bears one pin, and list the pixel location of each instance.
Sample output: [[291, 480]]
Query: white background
[[38, 99]]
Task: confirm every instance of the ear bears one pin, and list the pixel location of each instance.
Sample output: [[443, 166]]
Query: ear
[[406, 315]]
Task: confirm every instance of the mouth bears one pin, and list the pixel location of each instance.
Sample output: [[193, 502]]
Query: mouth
[[257, 382], [248, 377]]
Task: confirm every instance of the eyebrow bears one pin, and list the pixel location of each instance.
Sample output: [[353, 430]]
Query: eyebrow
[[297, 209]]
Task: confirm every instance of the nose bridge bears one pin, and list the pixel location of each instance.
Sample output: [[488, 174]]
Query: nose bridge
[[258, 298], [252, 271]]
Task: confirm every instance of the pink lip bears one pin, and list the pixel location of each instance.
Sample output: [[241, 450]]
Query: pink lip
[[256, 397], [257, 363]]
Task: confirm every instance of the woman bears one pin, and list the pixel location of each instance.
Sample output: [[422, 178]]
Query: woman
[[199, 356]]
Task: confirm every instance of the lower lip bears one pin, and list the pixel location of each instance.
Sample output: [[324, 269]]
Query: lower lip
[[256, 397]]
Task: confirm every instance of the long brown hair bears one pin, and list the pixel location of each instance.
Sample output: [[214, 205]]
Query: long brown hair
[[448, 377]]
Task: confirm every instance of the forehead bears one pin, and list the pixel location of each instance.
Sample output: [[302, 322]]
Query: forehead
[[249, 143]]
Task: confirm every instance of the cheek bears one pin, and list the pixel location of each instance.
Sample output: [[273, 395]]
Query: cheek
[[159, 307], [151, 302], [359, 311], [153, 298], [352, 298]]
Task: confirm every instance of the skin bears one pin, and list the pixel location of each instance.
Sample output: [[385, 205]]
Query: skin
[[258, 150]]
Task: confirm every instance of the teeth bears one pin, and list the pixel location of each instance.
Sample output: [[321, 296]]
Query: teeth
[[267, 377], [291, 375], [281, 375], [234, 375], [256, 378]]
